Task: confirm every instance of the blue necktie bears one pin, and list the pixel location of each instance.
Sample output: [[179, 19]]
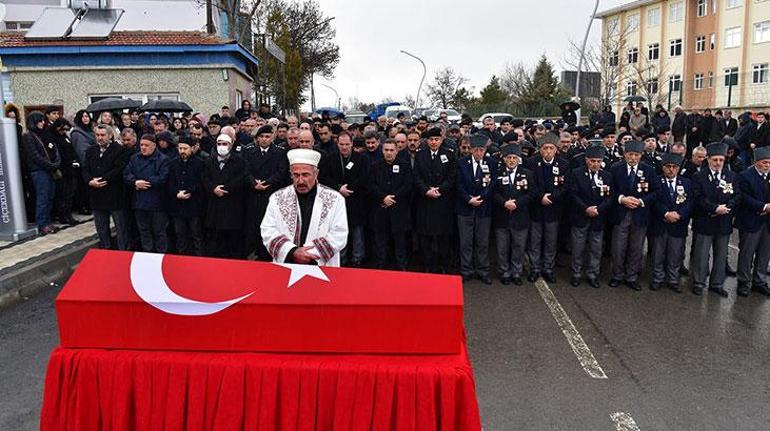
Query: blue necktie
[[671, 188], [631, 178]]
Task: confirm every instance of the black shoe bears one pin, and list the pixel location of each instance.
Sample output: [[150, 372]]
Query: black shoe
[[549, 277], [764, 290], [655, 286], [593, 283], [743, 289], [614, 282], [574, 281], [533, 276], [676, 288], [683, 271], [697, 291], [634, 285], [729, 271], [721, 292], [486, 280], [517, 281], [505, 281]]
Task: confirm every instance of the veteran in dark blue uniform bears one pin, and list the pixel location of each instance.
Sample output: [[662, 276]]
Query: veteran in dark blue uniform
[[716, 198], [753, 223], [513, 192], [473, 206], [635, 186], [591, 195], [669, 225], [550, 174]]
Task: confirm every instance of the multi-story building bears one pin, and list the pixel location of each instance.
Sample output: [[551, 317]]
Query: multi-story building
[[696, 53]]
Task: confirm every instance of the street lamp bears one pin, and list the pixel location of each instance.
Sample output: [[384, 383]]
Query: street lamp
[[582, 57], [339, 101], [424, 72]]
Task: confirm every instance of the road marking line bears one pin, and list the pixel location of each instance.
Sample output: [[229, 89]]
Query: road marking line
[[583, 353], [624, 422]]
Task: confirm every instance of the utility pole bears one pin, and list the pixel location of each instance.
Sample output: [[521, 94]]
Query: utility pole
[[209, 18], [424, 72], [582, 57]]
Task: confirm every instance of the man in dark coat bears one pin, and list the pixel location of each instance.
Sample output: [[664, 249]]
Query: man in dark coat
[[728, 125], [347, 172], [760, 137], [434, 179], [670, 218], [550, 174], [65, 186], [186, 194], [268, 171], [717, 197], [591, 195], [225, 181], [753, 222], [102, 170], [635, 188], [475, 174], [513, 192], [147, 173], [679, 125], [390, 188]]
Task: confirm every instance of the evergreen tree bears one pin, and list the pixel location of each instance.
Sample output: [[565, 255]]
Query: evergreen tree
[[543, 93]]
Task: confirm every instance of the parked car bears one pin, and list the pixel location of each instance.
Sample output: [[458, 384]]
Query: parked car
[[356, 117], [380, 110], [452, 115], [497, 116], [394, 111]]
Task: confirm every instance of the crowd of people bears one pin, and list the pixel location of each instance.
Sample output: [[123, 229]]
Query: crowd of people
[[430, 196]]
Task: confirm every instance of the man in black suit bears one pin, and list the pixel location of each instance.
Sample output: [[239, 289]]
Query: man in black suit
[[268, 171], [760, 137], [514, 190], [591, 196]]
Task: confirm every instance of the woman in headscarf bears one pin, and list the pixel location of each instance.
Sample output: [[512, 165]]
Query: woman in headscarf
[[43, 161]]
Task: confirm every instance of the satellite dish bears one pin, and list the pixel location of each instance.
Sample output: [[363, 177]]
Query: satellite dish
[[2, 11]]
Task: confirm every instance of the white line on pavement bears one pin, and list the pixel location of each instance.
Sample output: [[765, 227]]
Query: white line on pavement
[[583, 353], [624, 422]]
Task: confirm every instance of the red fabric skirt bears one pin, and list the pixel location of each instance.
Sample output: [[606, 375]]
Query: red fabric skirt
[[149, 390]]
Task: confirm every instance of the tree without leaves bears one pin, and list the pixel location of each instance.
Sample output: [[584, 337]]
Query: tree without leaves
[[445, 84], [240, 15]]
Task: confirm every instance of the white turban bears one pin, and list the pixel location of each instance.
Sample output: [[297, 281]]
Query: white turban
[[304, 156]]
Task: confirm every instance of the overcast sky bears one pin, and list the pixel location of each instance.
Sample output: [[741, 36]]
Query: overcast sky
[[476, 38]]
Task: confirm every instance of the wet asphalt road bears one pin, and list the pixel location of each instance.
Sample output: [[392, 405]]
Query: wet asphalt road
[[672, 361]]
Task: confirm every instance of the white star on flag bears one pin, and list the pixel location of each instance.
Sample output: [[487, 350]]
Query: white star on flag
[[298, 272]]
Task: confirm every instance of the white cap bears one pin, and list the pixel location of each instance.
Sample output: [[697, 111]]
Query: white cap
[[304, 156], [224, 138]]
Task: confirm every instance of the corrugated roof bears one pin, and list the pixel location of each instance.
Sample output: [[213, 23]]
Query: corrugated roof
[[625, 7], [8, 40]]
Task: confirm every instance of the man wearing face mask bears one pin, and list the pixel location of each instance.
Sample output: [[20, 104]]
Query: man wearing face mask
[[635, 186], [306, 222], [753, 222], [224, 182]]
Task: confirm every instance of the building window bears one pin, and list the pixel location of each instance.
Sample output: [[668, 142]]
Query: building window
[[675, 12], [702, 8], [238, 97], [711, 80], [762, 32], [93, 4], [653, 51], [759, 73], [733, 3], [712, 41], [732, 37], [20, 26], [630, 88], [714, 6], [653, 17], [731, 76], [613, 58], [613, 27], [652, 86], [698, 81], [675, 48], [700, 44], [633, 55], [632, 22], [142, 97], [675, 82]]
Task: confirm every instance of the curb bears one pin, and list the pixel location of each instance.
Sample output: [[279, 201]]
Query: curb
[[28, 280]]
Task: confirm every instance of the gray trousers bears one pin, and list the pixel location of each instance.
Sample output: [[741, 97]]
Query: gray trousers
[[627, 248], [543, 240], [102, 223], [152, 230], [474, 244], [586, 248], [754, 253], [700, 265], [511, 245], [667, 258]]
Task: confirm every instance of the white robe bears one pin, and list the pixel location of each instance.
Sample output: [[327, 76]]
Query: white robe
[[328, 231]]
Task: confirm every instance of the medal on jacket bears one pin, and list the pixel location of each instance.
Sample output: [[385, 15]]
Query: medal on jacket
[[681, 197], [521, 184], [727, 188], [642, 186]]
